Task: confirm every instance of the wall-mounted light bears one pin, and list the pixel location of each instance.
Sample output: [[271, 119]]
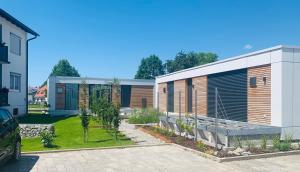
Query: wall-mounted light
[[164, 90], [265, 80]]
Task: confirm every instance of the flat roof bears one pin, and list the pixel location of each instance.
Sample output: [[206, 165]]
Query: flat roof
[[16, 22], [233, 58], [92, 80]]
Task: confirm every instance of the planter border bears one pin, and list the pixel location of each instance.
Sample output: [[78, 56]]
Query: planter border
[[94, 148], [238, 158]]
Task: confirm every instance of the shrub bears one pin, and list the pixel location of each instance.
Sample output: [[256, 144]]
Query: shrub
[[285, 145], [201, 146], [47, 138], [144, 116]]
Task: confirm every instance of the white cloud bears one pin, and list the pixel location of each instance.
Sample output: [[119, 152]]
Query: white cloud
[[248, 47]]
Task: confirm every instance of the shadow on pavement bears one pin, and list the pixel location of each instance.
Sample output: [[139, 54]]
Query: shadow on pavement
[[25, 164]]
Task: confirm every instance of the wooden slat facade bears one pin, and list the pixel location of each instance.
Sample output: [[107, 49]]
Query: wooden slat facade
[[259, 97], [180, 86], [162, 97], [60, 97], [140, 92], [200, 84]]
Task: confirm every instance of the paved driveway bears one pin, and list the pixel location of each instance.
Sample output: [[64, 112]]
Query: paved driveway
[[155, 158]]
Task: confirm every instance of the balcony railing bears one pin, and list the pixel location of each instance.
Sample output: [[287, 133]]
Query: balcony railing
[[4, 99], [3, 54]]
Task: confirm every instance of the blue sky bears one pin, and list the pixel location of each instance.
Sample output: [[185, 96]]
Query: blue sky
[[108, 38]]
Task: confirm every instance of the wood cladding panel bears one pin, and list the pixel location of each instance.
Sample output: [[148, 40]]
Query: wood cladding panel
[[140, 92], [60, 96], [180, 86], [259, 97], [200, 84], [82, 100], [162, 97], [115, 96]]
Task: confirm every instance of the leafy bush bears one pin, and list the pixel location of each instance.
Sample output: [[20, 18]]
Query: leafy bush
[[201, 146], [285, 145], [47, 138], [144, 116]]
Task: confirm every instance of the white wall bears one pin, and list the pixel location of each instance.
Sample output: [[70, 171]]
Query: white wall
[[51, 84], [17, 65]]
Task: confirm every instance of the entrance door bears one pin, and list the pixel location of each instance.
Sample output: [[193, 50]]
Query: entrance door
[[125, 95], [72, 96], [170, 86]]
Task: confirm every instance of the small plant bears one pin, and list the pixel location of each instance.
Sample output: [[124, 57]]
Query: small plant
[[180, 126], [276, 142], [263, 143], [116, 119], [250, 145], [238, 142], [47, 138], [284, 145], [201, 146]]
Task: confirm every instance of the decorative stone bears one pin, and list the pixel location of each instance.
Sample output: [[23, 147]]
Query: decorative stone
[[34, 130]]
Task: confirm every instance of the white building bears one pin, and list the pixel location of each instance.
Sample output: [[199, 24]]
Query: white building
[[262, 87], [14, 63]]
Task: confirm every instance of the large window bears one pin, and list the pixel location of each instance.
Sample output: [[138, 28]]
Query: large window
[[15, 81], [15, 44]]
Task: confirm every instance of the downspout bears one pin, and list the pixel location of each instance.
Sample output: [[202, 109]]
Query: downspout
[[27, 42]]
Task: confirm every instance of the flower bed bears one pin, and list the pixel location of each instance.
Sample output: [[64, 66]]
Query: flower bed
[[245, 149]]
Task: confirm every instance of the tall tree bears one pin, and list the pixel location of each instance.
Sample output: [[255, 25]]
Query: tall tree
[[63, 68], [187, 60], [149, 68]]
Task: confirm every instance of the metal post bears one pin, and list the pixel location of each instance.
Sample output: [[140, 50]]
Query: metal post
[[216, 118], [158, 101], [196, 119], [167, 105], [180, 111]]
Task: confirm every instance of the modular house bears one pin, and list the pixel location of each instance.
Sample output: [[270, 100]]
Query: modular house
[[14, 63], [261, 87], [65, 93]]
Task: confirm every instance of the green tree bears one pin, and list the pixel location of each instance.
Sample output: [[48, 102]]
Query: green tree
[[63, 68], [149, 68], [187, 60]]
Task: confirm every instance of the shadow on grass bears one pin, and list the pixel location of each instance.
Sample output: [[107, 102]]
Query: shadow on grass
[[39, 119]]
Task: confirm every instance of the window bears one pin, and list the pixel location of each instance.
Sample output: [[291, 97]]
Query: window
[[15, 44], [15, 81], [253, 82], [59, 90], [4, 117]]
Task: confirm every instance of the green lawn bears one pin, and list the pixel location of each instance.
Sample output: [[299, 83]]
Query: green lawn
[[69, 134]]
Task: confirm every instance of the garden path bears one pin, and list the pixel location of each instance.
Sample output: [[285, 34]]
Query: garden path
[[138, 136]]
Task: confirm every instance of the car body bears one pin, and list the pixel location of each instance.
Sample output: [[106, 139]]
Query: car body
[[10, 139]]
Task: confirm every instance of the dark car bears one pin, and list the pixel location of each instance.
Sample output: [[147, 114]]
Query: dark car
[[10, 140]]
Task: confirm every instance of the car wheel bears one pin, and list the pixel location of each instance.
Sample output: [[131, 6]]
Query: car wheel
[[17, 152]]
